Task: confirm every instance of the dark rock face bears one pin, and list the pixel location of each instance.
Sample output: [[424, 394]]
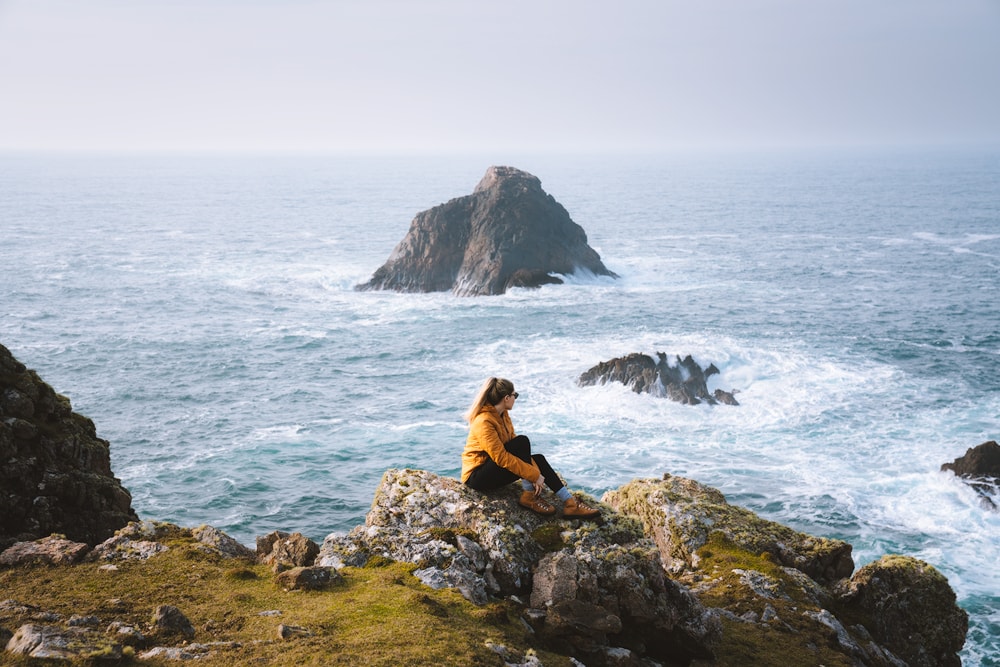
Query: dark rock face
[[54, 470], [508, 233], [980, 466], [685, 382], [910, 609]]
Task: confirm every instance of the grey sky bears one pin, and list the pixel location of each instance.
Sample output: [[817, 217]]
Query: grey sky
[[472, 75]]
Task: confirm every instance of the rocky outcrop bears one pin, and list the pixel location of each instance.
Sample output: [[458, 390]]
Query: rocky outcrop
[[910, 609], [980, 467], [681, 515], [591, 588], [507, 233], [686, 382], [54, 470], [762, 575], [671, 574]]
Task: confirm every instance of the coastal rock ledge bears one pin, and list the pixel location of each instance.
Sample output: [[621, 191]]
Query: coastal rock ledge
[[507, 233], [671, 575]]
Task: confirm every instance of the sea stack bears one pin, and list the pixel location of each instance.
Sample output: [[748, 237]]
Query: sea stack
[[507, 233], [56, 473]]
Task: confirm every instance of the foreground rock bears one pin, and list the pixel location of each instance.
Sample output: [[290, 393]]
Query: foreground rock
[[686, 382], [54, 470], [674, 576], [508, 233], [980, 467], [760, 574], [592, 588]]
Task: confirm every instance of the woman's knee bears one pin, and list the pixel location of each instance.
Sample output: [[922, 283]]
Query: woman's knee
[[520, 447]]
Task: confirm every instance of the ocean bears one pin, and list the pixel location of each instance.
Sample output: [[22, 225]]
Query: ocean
[[201, 310]]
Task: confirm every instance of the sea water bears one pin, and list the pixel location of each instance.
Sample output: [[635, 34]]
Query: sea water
[[202, 311]]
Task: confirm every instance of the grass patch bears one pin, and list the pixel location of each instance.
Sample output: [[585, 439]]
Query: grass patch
[[377, 616]]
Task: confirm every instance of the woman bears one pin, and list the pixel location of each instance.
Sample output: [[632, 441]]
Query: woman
[[495, 456]]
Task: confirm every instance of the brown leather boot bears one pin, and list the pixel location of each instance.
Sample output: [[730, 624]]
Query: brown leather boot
[[576, 509], [536, 504]]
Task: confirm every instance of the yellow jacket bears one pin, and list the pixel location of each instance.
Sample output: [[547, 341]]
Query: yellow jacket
[[487, 435]]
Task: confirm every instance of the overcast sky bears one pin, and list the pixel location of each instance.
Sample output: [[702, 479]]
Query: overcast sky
[[480, 75]]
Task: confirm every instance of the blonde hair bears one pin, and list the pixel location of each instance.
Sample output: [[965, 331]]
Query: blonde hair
[[493, 391]]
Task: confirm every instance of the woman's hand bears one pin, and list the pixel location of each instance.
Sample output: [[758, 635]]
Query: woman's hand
[[539, 485]]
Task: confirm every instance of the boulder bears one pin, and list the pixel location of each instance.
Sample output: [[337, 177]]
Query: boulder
[[592, 585], [681, 515], [52, 550], [169, 621], [312, 578], [909, 608], [55, 471], [507, 233], [283, 551], [685, 382]]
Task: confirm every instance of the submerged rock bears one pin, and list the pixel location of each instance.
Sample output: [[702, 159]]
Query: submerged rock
[[54, 470], [507, 233], [685, 382]]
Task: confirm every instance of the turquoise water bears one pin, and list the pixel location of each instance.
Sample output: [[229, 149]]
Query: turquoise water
[[201, 311]]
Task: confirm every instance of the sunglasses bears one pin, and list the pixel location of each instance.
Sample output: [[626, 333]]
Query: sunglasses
[[515, 394]]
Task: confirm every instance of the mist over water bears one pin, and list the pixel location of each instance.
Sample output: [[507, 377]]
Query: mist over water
[[202, 313]]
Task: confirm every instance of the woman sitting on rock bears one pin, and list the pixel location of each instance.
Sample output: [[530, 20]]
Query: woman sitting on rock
[[495, 456]]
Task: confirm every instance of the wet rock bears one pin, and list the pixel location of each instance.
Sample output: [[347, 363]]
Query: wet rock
[[507, 233], [684, 382], [980, 467]]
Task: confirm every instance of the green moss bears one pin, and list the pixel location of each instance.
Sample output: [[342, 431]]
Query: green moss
[[749, 644], [549, 537], [378, 616]]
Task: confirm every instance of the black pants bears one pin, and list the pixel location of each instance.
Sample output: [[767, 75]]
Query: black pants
[[490, 476]]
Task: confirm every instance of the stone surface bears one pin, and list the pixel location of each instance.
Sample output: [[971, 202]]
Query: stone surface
[[978, 462], [63, 644], [594, 584], [282, 550], [508, 233], [980, 468], [51, 550], [680, 514], [55, 471], [168, 620], [909, 608], [312, 578], [685, 381]]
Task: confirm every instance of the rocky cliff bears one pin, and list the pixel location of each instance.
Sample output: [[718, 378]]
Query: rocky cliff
[[55, 472], [507, 233]]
